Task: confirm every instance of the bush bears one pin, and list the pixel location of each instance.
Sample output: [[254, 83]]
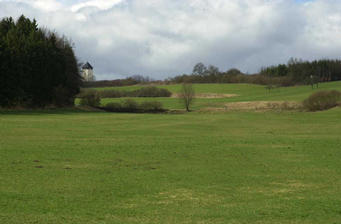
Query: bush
[[91, 99], [85, 92], [151, 106], [62, 97], [112, 93], [133, 107], [143, 92], [130, 105], [114, 107], [150, 91], [322, 100], [165, 93]]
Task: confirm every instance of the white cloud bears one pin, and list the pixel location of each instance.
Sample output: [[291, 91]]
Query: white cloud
[[162, 38], [101, 4], [44, 5]]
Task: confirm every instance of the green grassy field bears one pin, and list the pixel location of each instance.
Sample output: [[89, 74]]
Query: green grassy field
[[245, 92], [234, 167]]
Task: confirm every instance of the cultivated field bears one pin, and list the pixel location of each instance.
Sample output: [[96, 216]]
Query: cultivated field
[[270, 167]]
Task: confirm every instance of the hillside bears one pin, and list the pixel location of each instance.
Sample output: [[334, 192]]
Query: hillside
[[243, 92]]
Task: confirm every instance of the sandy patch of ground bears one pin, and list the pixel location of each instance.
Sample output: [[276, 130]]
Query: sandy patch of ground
[[257, 106], [208, 95], [262, 105]]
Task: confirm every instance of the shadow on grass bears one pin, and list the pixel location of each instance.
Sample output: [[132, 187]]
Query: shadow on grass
[[76, 110], [39, 112]]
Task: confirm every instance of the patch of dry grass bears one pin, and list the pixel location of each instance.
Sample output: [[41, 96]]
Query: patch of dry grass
[[208, 95], [259, 106]]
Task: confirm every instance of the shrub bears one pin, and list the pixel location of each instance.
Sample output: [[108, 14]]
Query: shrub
[[143, 92], [165, 93], [62, 97], [130, 105], [91, 99], [151, 106], [150, 91], [322, 100], [114, 107], [112, 93], [85, 92]]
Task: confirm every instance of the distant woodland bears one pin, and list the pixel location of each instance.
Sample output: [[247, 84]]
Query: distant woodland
[[295, 72]]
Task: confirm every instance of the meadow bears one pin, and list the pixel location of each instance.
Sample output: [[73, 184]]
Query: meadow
[[72, 166], [244, 92]]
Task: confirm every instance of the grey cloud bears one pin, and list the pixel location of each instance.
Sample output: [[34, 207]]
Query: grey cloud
[[162, 38]]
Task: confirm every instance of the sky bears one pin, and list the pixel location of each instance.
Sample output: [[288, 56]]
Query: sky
[[164, 38]]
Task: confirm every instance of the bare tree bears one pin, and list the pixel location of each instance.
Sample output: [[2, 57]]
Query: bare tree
[[212, 70], [187, 95], [199, 69]]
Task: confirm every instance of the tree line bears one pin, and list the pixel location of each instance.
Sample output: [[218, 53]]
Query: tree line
[[129, 81], [37, 67], [148, 91], [302, 72], [295, 72]]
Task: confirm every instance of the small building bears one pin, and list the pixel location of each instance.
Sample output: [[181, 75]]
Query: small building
[[88, 72]]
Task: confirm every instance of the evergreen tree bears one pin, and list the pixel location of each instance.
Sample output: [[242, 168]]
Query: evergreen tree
[[37, 67]]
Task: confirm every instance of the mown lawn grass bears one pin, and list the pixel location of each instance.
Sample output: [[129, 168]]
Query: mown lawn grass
[[235, 167], [245, 92]]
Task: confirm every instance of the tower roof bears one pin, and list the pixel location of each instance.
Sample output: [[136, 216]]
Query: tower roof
[[87, 66]]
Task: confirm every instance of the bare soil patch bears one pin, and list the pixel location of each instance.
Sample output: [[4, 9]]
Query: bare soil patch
[[257, 106], [263, 105], [208, 95]]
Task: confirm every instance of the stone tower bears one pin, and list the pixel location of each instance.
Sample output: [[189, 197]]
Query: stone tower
[[88, 72]]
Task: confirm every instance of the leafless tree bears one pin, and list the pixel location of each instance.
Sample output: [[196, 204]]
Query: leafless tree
[[199, 69], [187, 95]]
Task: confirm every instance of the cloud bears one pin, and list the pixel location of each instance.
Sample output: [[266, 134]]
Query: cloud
[[44, 5], [101, 4], [163, 38]]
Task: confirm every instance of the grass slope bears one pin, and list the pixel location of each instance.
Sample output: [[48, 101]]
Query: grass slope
[[70, 167], [246, 92]]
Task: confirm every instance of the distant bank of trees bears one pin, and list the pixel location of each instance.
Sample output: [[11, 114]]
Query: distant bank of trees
[[301, 71], [296, 72], [37, 67], [110, 83], [149, 91], [129, 81]]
